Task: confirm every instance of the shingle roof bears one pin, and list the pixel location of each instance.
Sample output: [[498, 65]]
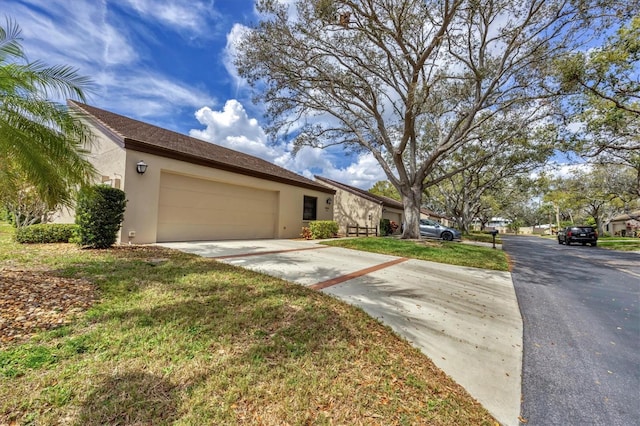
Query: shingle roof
[[385, 201], [627, 216], [144, 137]]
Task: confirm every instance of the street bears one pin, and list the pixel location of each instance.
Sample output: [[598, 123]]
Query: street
[[581, 315]]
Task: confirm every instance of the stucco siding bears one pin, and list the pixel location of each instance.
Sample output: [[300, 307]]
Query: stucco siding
[[109, 161], [350, 209], [144, 196]]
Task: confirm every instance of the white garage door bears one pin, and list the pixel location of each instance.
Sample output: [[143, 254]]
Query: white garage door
[[192, 209]]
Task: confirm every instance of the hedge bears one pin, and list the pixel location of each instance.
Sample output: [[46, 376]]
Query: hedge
[[99, 214], [323, 229], [46, 233]]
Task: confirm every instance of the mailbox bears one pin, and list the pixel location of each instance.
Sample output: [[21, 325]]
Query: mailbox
[[493, 234]]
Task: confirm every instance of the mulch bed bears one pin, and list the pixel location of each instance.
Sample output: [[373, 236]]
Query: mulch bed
[[32, 301]]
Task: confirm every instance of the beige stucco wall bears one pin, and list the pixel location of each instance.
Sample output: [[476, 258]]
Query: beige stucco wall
[[350, 209], [143, 192], [628, 225], [109, 161]]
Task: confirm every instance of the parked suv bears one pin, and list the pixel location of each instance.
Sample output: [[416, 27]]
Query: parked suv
[[578, 234]]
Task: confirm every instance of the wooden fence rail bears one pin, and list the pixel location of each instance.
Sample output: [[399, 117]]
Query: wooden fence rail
[[361, 230]]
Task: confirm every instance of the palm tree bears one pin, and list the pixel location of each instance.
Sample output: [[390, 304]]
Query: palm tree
[[43, 146]]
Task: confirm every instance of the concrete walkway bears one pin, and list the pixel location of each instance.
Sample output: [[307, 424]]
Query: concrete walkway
[[467, 320]]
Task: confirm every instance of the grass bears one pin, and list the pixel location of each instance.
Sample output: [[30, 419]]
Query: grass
[[483, 237], [620, 243], [192, 341], [453, 253]]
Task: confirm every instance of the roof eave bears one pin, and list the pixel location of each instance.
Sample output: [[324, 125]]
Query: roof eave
[[193, 159]]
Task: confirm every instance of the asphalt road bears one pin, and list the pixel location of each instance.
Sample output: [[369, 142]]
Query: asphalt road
[[580, 308]]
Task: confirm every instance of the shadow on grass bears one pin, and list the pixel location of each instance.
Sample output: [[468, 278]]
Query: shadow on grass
[[130, 398]]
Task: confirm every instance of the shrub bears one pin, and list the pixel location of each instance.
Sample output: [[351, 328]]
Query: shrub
[[306, 233], [323, 229], [46, 233], [385, 227], [99, 214]]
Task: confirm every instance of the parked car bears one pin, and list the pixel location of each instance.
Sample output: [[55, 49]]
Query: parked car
[[582, 234], [431, 228]]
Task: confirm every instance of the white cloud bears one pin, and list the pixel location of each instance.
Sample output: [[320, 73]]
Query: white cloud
[[190, 15], [65, 36], [230, 51], [562, 170], [104, 51], [233, 128]]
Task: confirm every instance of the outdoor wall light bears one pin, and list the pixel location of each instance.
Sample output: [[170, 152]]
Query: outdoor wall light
[[141, 167], [328, 200]]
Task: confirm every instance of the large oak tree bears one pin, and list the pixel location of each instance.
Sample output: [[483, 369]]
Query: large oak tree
[[409, 81]]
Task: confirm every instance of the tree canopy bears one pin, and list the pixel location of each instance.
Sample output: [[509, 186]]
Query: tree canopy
[[409, 81], [41, 143]]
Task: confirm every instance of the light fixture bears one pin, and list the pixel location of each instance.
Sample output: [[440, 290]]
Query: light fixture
[[141, 167], [328, 200]]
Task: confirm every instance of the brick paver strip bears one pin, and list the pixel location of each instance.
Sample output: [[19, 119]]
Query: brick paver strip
[[260, 253], [356, 274]]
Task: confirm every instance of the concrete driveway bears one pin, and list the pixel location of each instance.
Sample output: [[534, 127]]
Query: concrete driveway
[[467, 320]]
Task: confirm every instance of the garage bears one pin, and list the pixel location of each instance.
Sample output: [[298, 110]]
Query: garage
[[192, 209], [392, 216]]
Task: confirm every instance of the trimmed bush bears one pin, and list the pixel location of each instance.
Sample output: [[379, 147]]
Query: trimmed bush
[[385, 227], [99, 214], [323, 229], [46, 233]]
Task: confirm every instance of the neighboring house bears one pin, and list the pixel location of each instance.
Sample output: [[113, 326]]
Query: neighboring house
[[499, 224], [196, 190], [428, 214], [357, 207], [625, 224]]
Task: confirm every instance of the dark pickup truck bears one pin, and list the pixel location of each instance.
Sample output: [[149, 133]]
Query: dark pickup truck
[[582, 234]]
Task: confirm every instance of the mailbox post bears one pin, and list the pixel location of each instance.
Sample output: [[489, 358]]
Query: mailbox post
[[493, 234]]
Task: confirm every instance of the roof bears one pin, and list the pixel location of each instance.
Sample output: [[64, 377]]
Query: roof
[[431, 213], [140, 136], [384, 201], [627, 216]]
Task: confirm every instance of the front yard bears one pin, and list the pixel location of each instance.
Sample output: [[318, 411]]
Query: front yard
[[145, 335]]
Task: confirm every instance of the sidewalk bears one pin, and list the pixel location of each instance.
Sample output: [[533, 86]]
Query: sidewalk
[[467, 320]]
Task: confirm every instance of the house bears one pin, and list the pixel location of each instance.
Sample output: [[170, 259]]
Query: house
[[627, 224], [357, 207], [499, 224], [180, 188], [428, 214]]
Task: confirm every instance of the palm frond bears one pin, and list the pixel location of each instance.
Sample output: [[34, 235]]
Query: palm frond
[[10, 41], [60, 80]]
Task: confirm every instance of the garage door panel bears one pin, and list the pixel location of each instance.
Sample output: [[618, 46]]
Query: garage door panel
[[198, 209]]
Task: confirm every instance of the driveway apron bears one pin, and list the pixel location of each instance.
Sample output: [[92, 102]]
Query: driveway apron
[[467, 320]]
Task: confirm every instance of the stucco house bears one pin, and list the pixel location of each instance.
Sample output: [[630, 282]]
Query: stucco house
[[357, 207], [627, 224], [180, 188], [428, 214]]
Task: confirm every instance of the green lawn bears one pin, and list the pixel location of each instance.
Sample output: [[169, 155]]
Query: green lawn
[[178, 339], [453, 253], [620, 243]]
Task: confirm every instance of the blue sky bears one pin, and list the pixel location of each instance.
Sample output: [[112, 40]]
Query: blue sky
[[169, 63]]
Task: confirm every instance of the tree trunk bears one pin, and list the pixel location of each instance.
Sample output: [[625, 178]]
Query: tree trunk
[[412, 200]]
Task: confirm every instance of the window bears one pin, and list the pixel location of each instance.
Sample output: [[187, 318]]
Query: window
[[309, 208]]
